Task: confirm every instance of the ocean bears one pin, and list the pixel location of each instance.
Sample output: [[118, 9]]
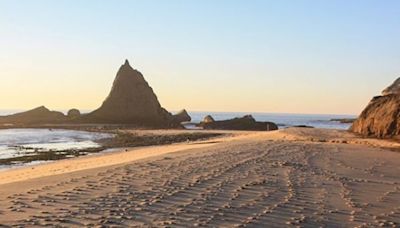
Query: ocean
[[23, 146]]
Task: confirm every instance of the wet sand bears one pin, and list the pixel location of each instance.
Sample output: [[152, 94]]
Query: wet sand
[[304, 177]]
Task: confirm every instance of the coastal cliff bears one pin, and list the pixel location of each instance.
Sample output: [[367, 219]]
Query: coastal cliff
[[381, 117]]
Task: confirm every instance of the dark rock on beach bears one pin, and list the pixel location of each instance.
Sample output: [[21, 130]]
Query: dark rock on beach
[[208, 119], [303, 126], [73, 113], [247, 123], [182, 116]]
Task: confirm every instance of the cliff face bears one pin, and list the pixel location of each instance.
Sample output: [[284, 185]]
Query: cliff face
[[381, 117], [131, 101]]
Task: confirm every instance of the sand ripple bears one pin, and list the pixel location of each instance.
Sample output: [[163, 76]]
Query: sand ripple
[[250, 183]]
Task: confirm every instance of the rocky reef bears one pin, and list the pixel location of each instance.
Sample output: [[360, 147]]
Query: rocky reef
[[245, 123]]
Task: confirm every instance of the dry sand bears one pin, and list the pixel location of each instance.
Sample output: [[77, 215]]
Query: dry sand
[[304, 177]]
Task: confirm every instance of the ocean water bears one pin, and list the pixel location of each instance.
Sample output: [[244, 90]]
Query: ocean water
[[282, 119], [23, 142]]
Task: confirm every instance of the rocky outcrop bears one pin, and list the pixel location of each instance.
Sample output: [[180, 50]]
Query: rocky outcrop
[[381, 117], [40, 115], [73, 113], [208, 119], [394, 88], [131, 101], [182, 116], [246, 123], [344, 120]]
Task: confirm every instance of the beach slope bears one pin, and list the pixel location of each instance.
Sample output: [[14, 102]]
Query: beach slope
[[294, 176]]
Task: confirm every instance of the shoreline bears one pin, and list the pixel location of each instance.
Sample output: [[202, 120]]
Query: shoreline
[[116, 139], [103, 158], [112, 155], [126, 154]]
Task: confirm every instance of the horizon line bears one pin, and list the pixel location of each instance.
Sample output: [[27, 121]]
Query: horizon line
[[83, 110]]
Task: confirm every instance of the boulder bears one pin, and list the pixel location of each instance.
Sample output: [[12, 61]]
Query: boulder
[[182, 116], [246, 123], [394, 88], [381, 117], [73, 113], [39, 115], [208, 119], [131, 101]]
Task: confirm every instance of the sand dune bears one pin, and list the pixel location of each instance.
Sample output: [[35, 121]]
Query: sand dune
[[275, 179]]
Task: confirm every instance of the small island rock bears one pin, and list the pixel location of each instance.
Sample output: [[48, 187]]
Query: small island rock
[[246, 123], [73, 113], [182, 116]]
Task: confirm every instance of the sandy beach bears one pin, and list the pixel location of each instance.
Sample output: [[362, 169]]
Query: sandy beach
[[298, 176]]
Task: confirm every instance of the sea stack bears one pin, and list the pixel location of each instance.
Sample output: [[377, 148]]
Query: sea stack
[[381, 117], [182, 116], [73, 113], [131, 101]]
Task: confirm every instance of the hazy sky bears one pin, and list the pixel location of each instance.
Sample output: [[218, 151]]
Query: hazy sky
[[253, 56]]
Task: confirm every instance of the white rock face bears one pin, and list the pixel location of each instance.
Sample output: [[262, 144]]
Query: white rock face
[[394, 88]]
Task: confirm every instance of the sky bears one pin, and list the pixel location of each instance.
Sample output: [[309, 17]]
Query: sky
[[303, 56]]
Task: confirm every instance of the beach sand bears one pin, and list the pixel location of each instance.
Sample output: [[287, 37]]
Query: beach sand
[[304, 177]]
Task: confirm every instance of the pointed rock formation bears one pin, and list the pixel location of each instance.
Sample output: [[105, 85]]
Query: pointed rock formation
[[39, 115], [131, 101], [182, 116], [208, 119], [381, 117]]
